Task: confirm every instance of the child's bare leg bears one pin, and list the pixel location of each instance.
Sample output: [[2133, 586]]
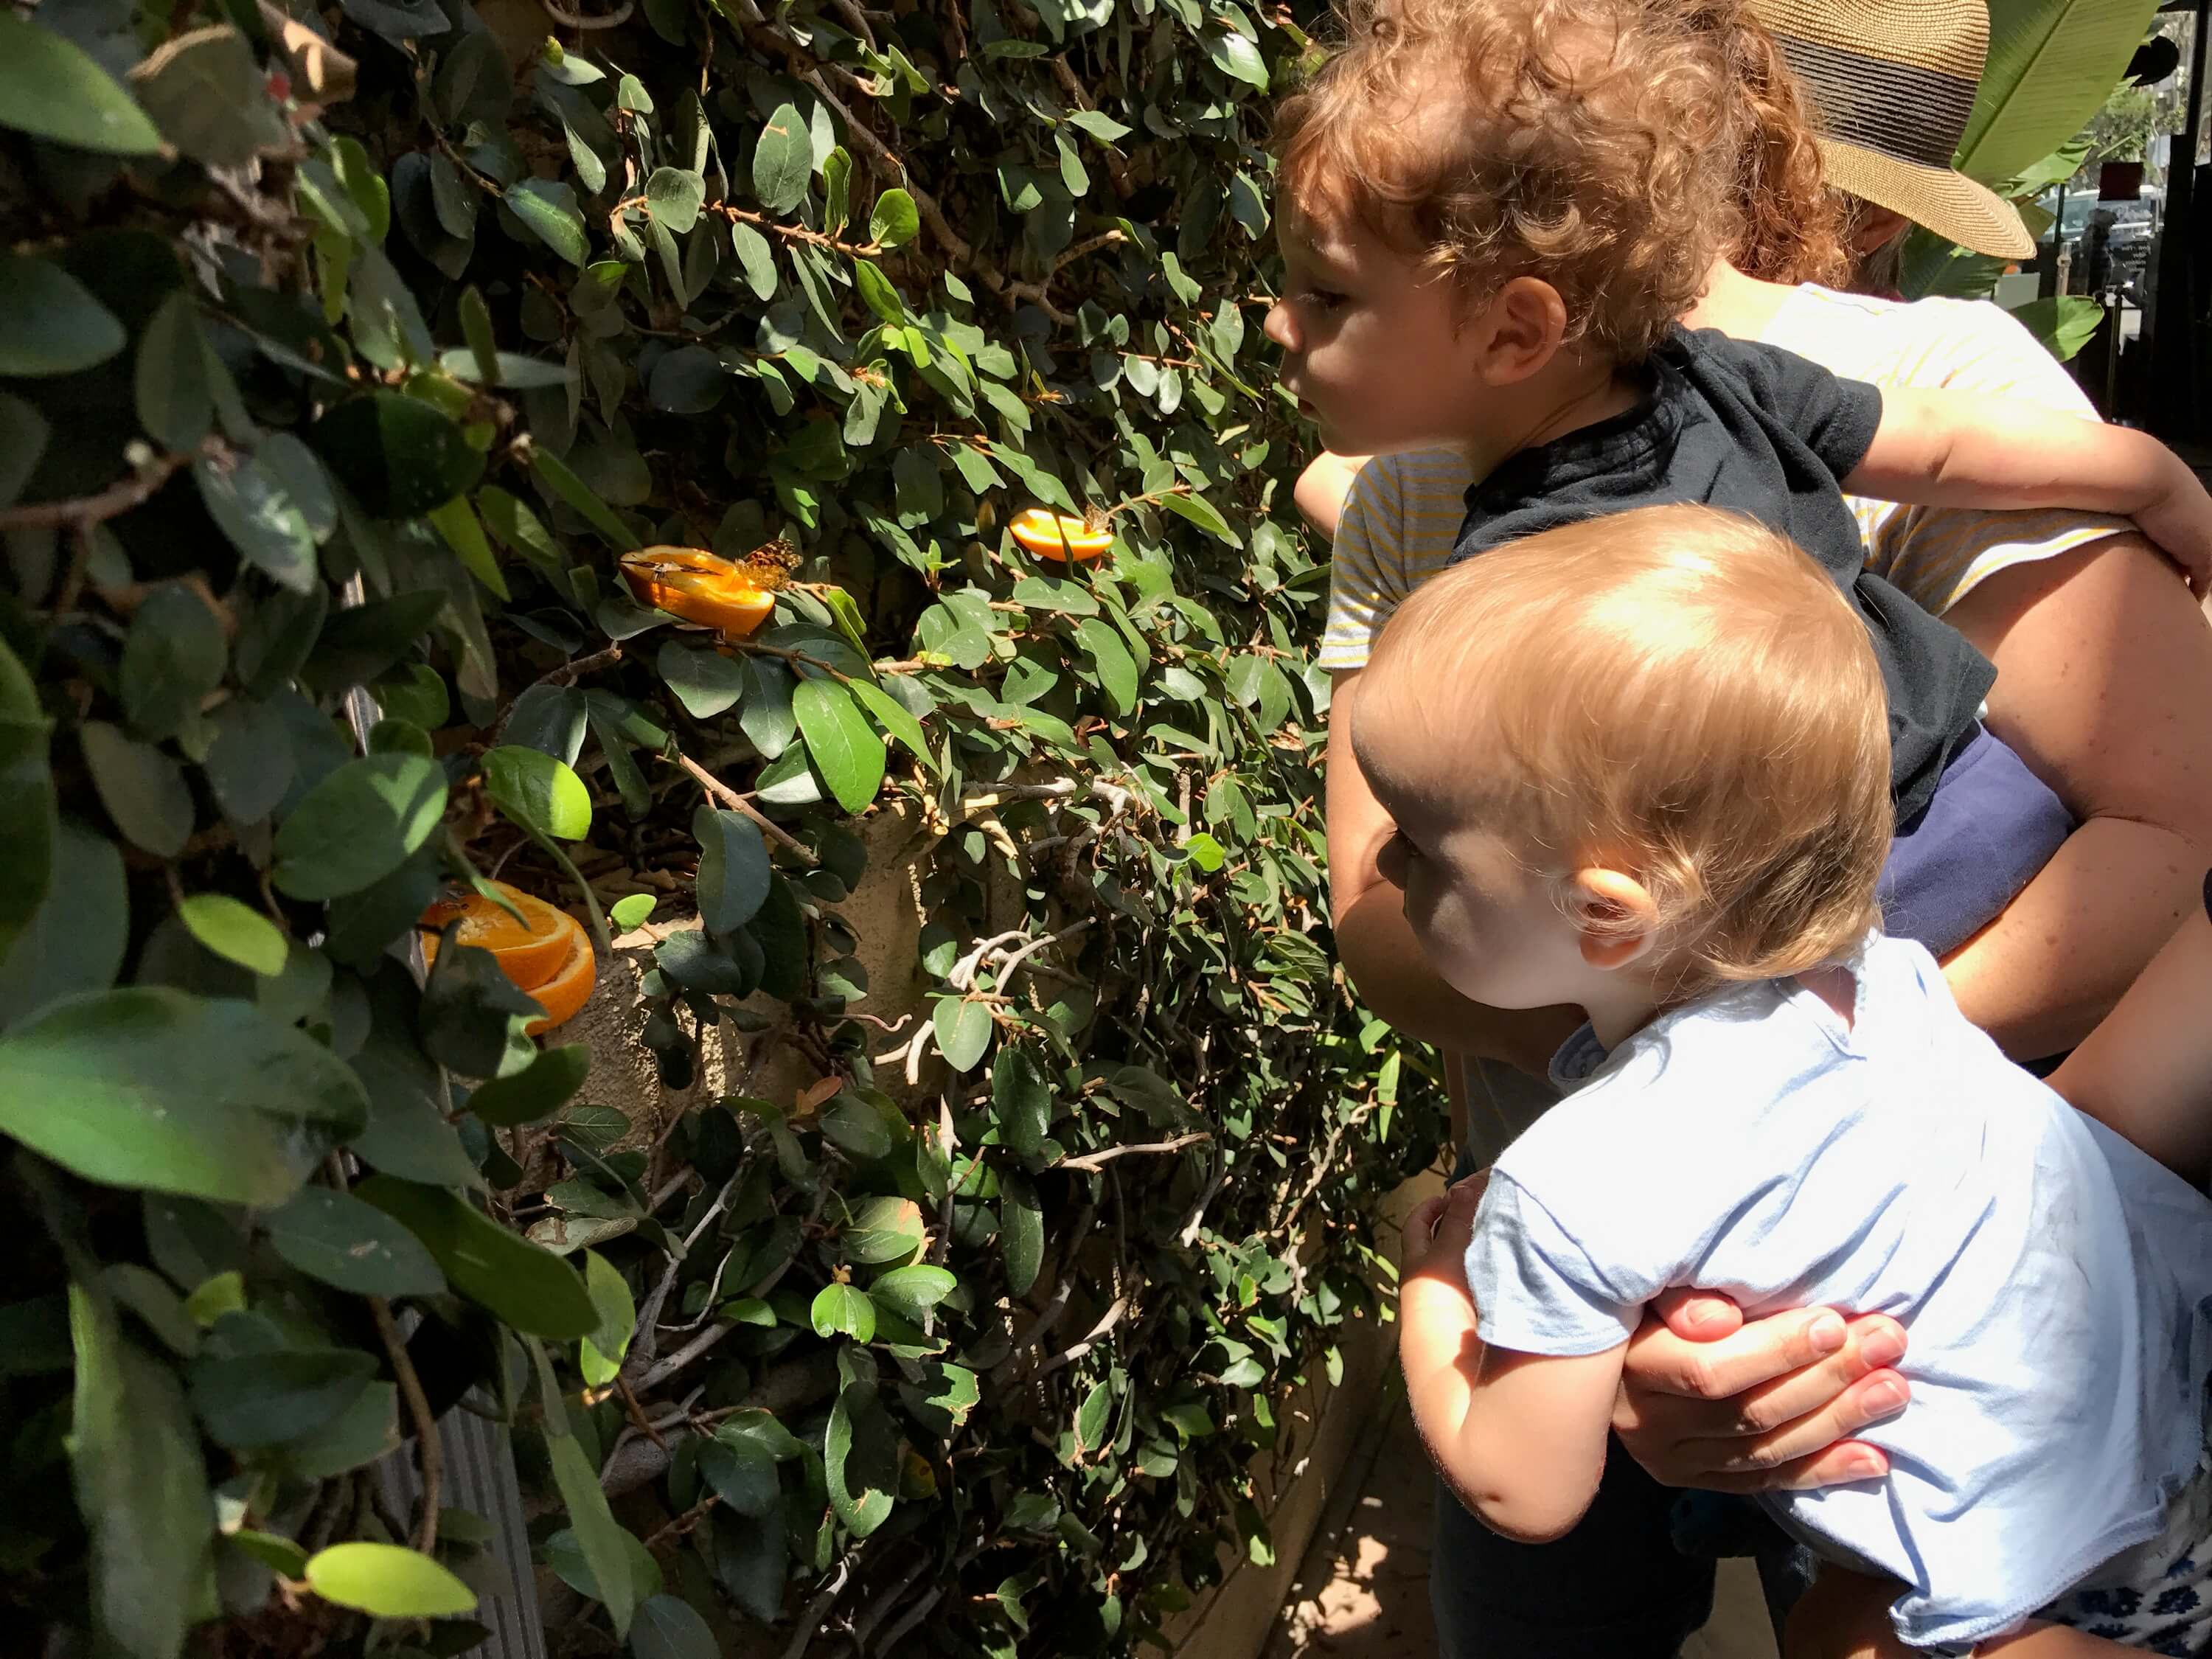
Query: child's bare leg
[[1846, 1615]]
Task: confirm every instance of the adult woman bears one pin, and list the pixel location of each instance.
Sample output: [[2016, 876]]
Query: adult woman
[[2100, 652]]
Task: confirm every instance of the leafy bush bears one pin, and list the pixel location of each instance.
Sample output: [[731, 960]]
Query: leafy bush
[[341, 357]]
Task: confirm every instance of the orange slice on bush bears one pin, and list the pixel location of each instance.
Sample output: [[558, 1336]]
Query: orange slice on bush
[[1055, 535], [700, 587], [564, 994], [547, 955]]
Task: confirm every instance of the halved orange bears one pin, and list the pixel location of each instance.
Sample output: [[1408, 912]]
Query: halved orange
[[700, 587], [1055, 535], [570, 986], [548, 955]]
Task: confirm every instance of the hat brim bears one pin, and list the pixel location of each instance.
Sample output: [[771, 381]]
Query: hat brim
[[1948, 202]]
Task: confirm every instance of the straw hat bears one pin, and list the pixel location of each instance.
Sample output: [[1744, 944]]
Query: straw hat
[[1894, 81]]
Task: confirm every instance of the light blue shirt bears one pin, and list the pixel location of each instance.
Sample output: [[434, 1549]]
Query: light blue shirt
[[2054, 1279]]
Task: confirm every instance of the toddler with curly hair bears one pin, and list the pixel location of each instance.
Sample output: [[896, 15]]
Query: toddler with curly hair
[[1492, 211]]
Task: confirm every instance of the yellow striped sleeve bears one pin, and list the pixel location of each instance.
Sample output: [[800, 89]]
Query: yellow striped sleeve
[[1398, 529]]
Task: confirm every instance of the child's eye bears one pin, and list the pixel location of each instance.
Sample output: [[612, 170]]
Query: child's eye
[[1322, 299]]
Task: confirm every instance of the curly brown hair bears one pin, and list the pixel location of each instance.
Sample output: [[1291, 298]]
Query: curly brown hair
[[1613, 148]]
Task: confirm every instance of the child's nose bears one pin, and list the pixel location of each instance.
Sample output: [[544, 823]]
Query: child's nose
[[1279, 327], [1390, 863]]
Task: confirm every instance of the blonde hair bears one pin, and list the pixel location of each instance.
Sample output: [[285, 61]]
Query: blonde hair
[[1613, 148], [1675, 692]]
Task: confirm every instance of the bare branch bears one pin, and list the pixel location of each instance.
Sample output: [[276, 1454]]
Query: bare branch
[[1092, 1160]]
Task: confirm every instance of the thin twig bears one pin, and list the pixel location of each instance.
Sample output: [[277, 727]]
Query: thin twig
[[1006, 969], [82, 512], [614, 19], [426, 1427], [737, 803], [956, 248], [810, 1622], [1092, 1160], [567, 673], [1075, 1351], [915, 1615]]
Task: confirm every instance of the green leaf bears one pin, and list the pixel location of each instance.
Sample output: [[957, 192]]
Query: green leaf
[[2051, 65], [50, 87], [529, 1288], [334, 1237], [29, 821], [49, 324], [176, 1093], [757, 1427], [2064, 323], [963, 1031], [173, 659], [895, 220], [580, 495], [631, 910], [876, 290], [1091, 1418], [279, 1554], [1020, 1101], [606, 1545], [76, 939], [210, 98], [733, 868], [549, 210], [844, 748], [757, 258], [783, 161], [844, 1310], [537, 791], [175, 397], [266, 1398], [358, 825], [742, 1474], [601, 1355], [914, 1291], [860, 1460], [388, 1582], [1234, 55], [1205, 852], [250, 505], [885, 1230], [674, 194], [141, 1485], [1117, 670], [1021, 1228], [1200, 512], [456, 523], [669, 1629], [399, 455], [235, 932], [892, 715], [538, 1091]]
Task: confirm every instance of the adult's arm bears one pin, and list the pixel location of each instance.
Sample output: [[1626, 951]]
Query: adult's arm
[[2103, 673], [1377, 947]]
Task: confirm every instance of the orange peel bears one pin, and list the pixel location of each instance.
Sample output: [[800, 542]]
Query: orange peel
[[547, 956], [700, 587], [1059, 537]]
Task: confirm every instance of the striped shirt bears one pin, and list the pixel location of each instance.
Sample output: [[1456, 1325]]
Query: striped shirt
[[1403, 515]]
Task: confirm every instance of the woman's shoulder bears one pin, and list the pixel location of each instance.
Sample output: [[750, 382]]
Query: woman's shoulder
[[1967, 346]]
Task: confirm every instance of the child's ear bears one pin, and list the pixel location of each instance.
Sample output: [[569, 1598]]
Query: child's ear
[[1615, 915], [1521, 330]]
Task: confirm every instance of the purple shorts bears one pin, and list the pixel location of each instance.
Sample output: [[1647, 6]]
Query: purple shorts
[[1992, 825]]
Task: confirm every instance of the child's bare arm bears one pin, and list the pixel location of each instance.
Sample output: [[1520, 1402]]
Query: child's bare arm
[[1520, 1438], [2147, 1070], [1324, 487], [1954, 449]]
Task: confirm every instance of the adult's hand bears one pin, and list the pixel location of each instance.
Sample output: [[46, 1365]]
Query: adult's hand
[[1710, 1401]]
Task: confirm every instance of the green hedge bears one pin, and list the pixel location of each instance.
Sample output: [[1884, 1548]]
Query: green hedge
[[340, 358]]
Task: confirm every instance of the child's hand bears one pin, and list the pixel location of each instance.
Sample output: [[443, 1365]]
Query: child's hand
[[2181, 522], [1438, 1231]]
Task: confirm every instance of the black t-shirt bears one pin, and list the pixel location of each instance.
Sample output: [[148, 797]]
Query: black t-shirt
[[1764, 433]]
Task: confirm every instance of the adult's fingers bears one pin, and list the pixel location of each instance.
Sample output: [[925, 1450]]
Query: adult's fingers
[[1698, 1316], [1660, 1362], [1874, 1398], [1838, 1466]]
